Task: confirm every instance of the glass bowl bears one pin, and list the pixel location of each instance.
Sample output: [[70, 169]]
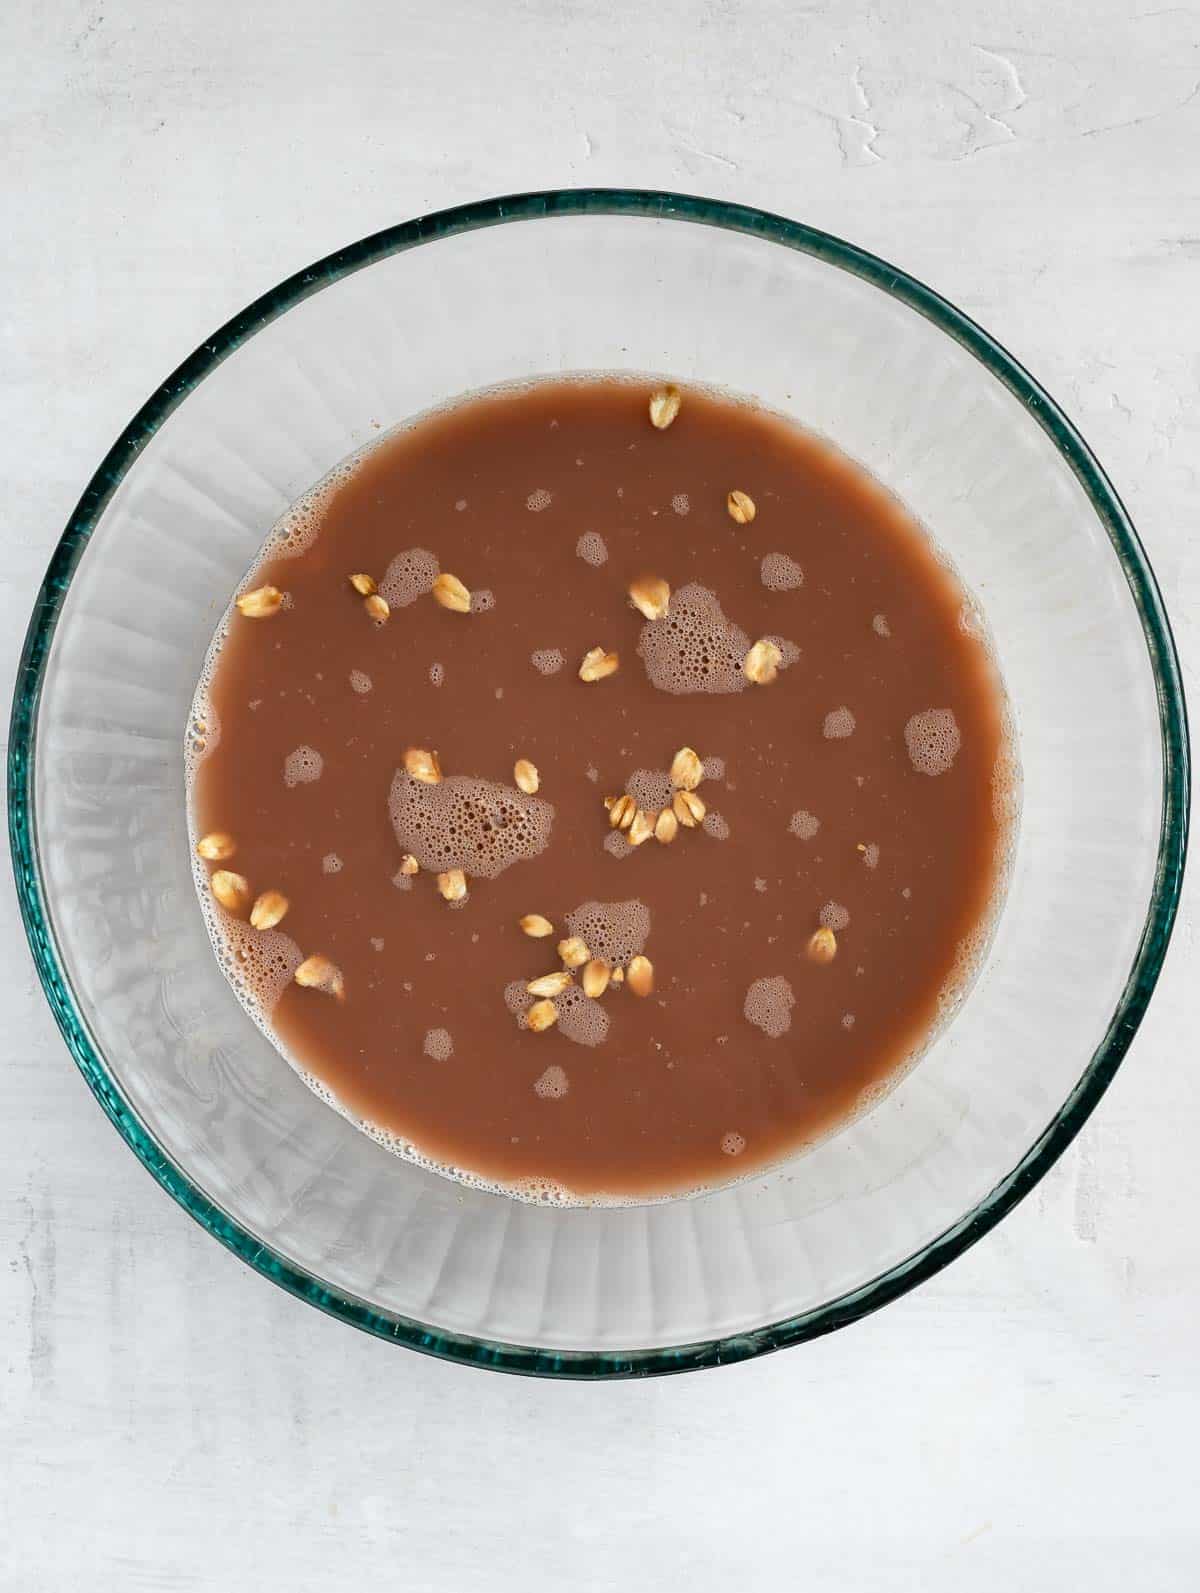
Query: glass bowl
[[540, 284]]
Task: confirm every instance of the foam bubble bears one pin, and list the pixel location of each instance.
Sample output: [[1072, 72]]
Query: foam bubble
[[477, 825], [733, 1143], [870, 855], [681, 503], [804, 824], [409, 576], [439, 1044], [714, 768], [694, 647], [650, 789], [402, 881], [360, 682], [933, 740], [302, 766], [779, 573], [483, 599], [547, 660], [847, 1020], [616, 845], [592, 549], [437, 674], [768, 1005], [834, 916], [538, 500], [331, 863], [716, 825], [553, 1084], [880, 625], [614, 931], [839, 723]]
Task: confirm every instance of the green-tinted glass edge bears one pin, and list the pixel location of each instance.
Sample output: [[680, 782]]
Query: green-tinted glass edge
[[1172, 848]]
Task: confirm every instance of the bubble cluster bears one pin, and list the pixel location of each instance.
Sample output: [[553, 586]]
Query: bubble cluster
[[483, 599], [733, 1143], [580, 1018], [302, 766], [547, 660], [614, 931], [480, 826], [779, 573], [768, 1005], [650, 789], [834, 916], [681, 503], [331, 863], [716, 825], [880, 625], [592, 549], [553, 1084], [439, 1045], [804, 824], [839, 723], [870, 854], [538, 500], [714, 768], [694, 647], [516, 998], [616, 845], [409, 576], [360, 682], [933, 740]]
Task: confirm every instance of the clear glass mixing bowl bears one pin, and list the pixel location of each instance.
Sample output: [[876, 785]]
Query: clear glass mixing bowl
[[535, 285]]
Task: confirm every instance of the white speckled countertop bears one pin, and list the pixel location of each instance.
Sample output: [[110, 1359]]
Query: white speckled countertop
[[1026, 1420]]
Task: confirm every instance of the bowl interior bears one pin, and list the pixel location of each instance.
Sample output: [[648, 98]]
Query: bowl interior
[[816, 331]]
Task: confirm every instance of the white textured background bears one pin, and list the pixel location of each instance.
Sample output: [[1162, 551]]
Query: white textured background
[[1029, 1419]]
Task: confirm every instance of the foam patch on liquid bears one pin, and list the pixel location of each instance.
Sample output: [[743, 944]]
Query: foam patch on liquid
[[933, 740], [733, 1144], [592, 549], [360, 682], [694, 647], [616, 932], [553, 1084], [804, 824], [580, 1018], [302, 766], [768, 1005], [650, 789], [834, 916], [716, 825], [547, 660], [439, 1045], [779, 573], [839, 724], [480, 826], [538, 500], [409, 576]]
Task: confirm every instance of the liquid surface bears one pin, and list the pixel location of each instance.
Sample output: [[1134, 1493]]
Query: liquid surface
[[862, 790]]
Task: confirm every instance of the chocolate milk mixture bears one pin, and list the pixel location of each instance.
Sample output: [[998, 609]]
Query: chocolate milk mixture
[[749, 819]]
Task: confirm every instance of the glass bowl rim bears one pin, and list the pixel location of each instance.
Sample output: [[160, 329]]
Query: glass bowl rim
[[1156, 932]]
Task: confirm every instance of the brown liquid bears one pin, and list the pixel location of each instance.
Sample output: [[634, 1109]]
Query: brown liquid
[[684, 1090]]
